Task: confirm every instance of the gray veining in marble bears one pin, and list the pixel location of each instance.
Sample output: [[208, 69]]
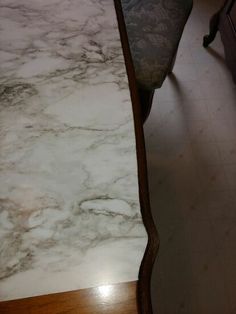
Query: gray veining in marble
[[69, 207]]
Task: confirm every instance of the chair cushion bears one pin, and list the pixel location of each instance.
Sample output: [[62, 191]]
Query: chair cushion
[[154, 29]]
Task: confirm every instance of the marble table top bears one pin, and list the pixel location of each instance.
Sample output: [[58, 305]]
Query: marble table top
[[69, 206]]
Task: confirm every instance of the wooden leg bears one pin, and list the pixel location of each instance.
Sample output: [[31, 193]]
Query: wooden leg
[[214, 23], [146, 97], [172, 63]]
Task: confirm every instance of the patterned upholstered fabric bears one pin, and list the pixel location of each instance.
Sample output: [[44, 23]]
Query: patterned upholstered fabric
[[154, 30]]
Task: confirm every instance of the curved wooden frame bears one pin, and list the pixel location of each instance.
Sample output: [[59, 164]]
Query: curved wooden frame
[[144, 284]]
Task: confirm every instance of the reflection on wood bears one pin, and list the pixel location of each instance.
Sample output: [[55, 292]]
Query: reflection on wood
[[115, 299]]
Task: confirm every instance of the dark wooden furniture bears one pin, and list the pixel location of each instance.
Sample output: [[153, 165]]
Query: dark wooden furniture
[[225, 21]]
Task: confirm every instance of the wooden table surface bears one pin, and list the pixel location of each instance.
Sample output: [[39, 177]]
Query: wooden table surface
[[114, 299]]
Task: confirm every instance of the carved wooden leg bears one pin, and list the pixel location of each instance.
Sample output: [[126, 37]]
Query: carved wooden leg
[[214, 23], [146, 97]]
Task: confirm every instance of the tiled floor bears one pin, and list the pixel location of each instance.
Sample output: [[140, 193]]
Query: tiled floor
[[191, 151]]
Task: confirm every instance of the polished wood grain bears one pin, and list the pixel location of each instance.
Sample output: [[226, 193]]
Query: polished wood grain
[[112, 299]]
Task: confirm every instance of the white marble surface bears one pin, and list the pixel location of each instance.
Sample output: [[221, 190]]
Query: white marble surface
[[69, 207]]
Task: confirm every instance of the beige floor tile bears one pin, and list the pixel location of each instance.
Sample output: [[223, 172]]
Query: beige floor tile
[[206, 153], [185, 72], [215, 89], [221, 109], [191, 153], [180, 300], [219, 204], [227, 151], [212, 178], [230, 171], [201, 130], [212, 297], [222, 130]]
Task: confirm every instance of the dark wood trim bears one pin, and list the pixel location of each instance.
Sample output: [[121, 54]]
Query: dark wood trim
[[213, 27], [223, 21], [114, 299], [144, 295]]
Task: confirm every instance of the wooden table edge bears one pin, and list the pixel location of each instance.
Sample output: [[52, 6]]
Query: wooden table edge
[[144, 282]]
